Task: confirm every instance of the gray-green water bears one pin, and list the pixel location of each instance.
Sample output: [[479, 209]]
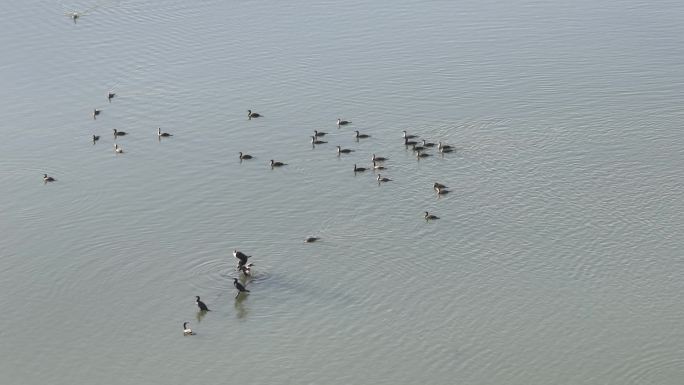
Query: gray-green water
[[557, 258]]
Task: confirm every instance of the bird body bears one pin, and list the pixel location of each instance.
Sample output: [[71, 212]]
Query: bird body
[[378, 158], [277, 164], [359, 169], [162, 134], [428, 144], [96, 112], [47, 178], [186, 330], [383, 179], [240, 287], [119, 133], [341, 150], [118, 149], [408, 136], [341, 122], [251, 114], [437, 186], [311, 239], [110, 96], [245, 156], [429, 216], [202, 306], [361, 136], [96, 138], [246, 269], [317, 133], [242, 257], [314, 140], [377, 166]]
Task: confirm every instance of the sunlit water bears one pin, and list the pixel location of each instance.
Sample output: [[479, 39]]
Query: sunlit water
[[557, 257]]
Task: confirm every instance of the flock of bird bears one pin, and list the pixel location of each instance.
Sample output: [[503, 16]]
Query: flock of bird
[[378, 164]]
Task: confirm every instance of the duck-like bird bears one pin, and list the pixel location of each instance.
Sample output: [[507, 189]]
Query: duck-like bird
[[251, 114], [242, 257], [359, 169], [47, 178], [245, 156], [162, 134], [240, 287], [429, 216], [202, 306], [341, 122], [186, 330], [119, 133], [277, 164], [361, 136], [341, 150]]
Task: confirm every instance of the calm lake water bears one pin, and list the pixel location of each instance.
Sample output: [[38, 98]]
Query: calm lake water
[[557, 258]]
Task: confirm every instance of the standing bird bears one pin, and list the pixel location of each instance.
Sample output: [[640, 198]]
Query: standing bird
[[429, 216], [186, 330], [239, 287], [162, 134], [47, 178], [201, 304], [277, 164], [96, 112], [251, 114], [242, 257], [341, 122], [110, 96], [245, 156]]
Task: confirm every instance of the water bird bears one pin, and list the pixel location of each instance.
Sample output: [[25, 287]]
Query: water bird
[[428, 144], [119, 133], [246, 269], [407, 136], [118, 149], [242, 257], [438, 186], [421, 154], [311, 239], [200, 304], [359, 169], [186, 330], [378, 158], [251, 114], [361, 136], [240, 287], [429, 216], [442, 191], [382, 179], [277, 164], [73, 15], [341, 122], [319, 133], [96, 138], [442, 147], [377, 166], [446, 150], [47, 178], [96, 112], [316, 141], [245, 156], [341, 150], [416, 147], [110, 96], [162, 134], [409, 142]]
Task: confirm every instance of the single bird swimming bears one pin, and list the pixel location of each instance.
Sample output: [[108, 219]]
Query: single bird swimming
[[251, 114], [201, 304], [186, 330], [162, 134], [240, 288], [47, 178]]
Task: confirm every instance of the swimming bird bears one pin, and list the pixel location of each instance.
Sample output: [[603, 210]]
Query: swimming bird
[[246, 269], [359, 169], [428, 144], [47, 178], [162, 134], [409, 142], [378, 166], [201, 304], [119, 133], [245, 156], [378, 158], [311, 239], [316, 141], [446, 149], [251, 114], [239, 287], [381, 179], [118, 149], [416, 147], [343, 150], [96, 112], [186, 330], [96, 138], [361, 136], [242, 257], [110, 96], [74, 15], [277, 164], [420, 154], [407, 136], [341, 122], [438, 186], [442, 190], [319, 133], [443, 146], [429, 216]]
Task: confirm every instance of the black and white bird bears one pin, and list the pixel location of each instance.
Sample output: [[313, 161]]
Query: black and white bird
[[319, 133], [245, 156], [341, 150], [162, 134], [251, 114], [277, 164], [96, 138], [118, 149], [47, 178], [240, 287], [311, 239], [110, 96], [201, 305], [383, 179], [246, 269], [242, 257], [361, 136], [408, 136], [359, 169], [341, 122], [315, 140], [378, 158], [429, 216], [96, 112], [186, 330], [119, 133]]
